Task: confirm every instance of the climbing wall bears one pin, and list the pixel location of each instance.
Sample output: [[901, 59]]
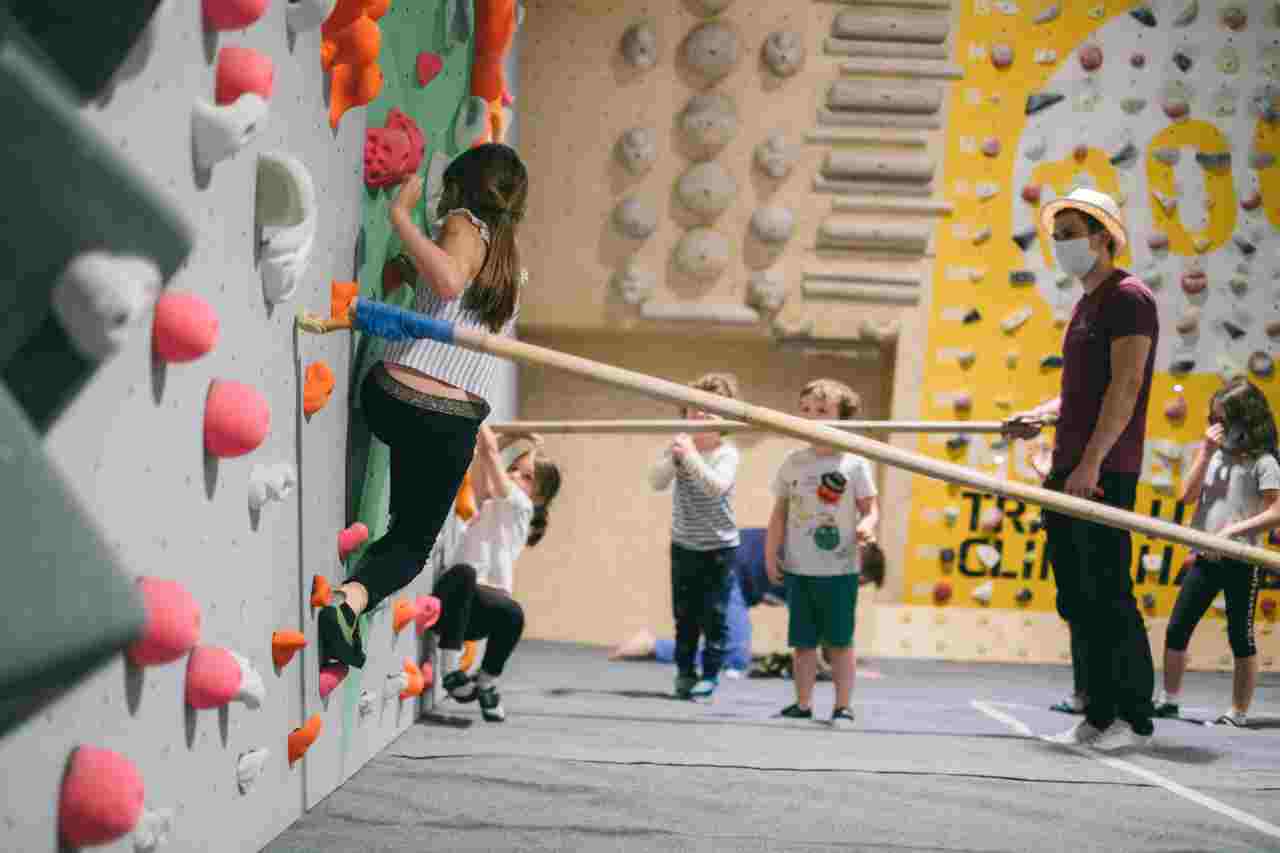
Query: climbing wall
[[191, 452], [1172, 109]]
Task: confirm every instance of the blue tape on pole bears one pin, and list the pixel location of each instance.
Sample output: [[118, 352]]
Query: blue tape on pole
[[397, 324]]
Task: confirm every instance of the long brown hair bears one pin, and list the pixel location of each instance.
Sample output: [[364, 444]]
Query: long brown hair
[[491, 181], [1247, 411]]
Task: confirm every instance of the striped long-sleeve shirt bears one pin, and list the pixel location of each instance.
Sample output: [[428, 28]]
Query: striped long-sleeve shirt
[[469, 370], [702, 517]]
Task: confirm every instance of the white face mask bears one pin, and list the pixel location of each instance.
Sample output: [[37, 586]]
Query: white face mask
[[1075, 257]]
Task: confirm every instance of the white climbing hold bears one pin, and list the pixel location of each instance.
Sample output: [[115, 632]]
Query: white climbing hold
[[634, 218], [219, 132], [305, 15], [1036, 148], [1161, 481], [271, 483], [702, 253], [634, 282], [252, 691], [1046, 56], [783, 52], [100, 296], [1047, 14], [368, 702], [775, 156], [986, 190], [1186, 12], [982, 593], [982, 235], [988, 555], [773, 224], [1014, 321], [640, 45], [153, 830], [637, 150], [249, 767], [767, 290], [1169, 451], [285, 198], [1152, 562], [951, 515]]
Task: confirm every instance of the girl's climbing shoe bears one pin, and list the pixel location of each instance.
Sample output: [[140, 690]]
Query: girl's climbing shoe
[[491, 705], [340, 638], [460, 686]]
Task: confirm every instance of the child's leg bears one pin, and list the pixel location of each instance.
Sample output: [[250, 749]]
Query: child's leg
[[1198, 590], [804, 669], [1240, 588], [843, 664], [717, 573], [685, 601], [499, 617], [456, 589]]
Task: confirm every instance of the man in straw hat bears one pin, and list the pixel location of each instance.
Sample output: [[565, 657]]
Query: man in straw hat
[[1108, 354]]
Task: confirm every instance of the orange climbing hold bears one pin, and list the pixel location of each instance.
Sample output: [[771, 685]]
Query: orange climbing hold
[[416, 683], [465, 503], [284, 645], [321, 592], [402, 613], [468, 655], [350, 41], [318, 387], [341, 295], [495, 28], [300, 739]]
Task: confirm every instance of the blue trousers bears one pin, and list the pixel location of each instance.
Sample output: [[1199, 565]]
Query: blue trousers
[[738, 643]]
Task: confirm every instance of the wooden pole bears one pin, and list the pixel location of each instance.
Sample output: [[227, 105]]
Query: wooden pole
[[811, 431], [659, 427]]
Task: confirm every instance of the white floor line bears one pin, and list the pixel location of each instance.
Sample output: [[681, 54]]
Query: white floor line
[[1143, 773], [1000, 716]]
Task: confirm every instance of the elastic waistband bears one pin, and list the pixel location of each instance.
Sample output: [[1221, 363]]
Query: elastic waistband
[[1225, 562], [469, 409]]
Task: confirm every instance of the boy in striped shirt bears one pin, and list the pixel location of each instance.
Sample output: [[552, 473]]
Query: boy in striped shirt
[[704, 538]]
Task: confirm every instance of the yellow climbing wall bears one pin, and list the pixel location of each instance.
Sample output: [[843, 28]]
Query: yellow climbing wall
[[1121, 127]]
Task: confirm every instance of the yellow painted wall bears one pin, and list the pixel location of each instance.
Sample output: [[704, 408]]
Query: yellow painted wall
[[990, 103]]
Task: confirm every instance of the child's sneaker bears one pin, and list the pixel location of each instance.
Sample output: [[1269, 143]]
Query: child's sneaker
[[1121, 735], [1070, 705], [460, 686], [684, 686], [795, 712], [841, 718], [1239, 719], [704, 688], [1081, 734], [491, 705], [1166, 709], [340, 639]]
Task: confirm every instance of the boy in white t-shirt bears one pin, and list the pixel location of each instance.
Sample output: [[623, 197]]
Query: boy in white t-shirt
[[826, 508]]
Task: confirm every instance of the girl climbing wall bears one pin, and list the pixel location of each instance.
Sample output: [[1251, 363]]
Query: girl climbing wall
[[425, 400]]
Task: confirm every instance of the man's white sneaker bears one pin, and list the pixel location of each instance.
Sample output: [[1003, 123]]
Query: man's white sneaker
[[1120, 735], [1081, 734]]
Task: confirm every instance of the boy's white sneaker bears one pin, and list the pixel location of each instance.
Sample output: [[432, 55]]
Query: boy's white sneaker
[[1081, 734], [1120, 735]]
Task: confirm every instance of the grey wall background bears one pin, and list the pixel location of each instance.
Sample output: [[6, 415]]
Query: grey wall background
[[131, 448]]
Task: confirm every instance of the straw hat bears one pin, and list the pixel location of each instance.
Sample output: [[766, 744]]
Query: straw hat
[[1100, 206]]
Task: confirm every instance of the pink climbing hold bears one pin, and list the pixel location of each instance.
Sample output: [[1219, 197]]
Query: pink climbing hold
[[236, 419], [101, 799], [331, 676], [1157, 241], [213, 677], [1194, 281], [1138, 60], [991, 146], [1090, 57], [185, 327], [352, 538], [428, 607], [429, 65], [1176, 409], [241, 70], [1252, 201], [394, 152], [507, 100], [233, 14], [172, 627]]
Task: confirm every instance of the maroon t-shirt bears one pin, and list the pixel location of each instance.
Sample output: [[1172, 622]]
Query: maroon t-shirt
[[1120, 307]]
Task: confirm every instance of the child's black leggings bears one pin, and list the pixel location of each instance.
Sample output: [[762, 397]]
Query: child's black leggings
[[1237, 581], [472, 611], [432, 440]]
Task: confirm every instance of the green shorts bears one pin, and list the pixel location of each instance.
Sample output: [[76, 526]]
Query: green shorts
[[821, 610]]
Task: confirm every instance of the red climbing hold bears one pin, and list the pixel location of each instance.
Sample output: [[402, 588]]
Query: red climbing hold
[[941, 592], [429, 65], [393, 152], [331, 676], [352, 538], [101, 799], [172, 627], [240, 70], [232, 14], [1031, 193], [185, 327], [428, 614], [236, 419]]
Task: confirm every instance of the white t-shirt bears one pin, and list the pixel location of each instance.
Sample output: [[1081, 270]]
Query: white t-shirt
[[494, 538], [1233, 490], [822, 511]]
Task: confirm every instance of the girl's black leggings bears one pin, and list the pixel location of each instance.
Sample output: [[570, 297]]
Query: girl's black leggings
[[1237, 581], [472, 611], [432, 440]]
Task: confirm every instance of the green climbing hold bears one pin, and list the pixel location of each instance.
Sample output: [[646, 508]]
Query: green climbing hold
[[1143, 15], [1042, 101]]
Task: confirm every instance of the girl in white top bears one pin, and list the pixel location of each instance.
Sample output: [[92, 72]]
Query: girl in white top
[[475, 593], [426, 400]]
